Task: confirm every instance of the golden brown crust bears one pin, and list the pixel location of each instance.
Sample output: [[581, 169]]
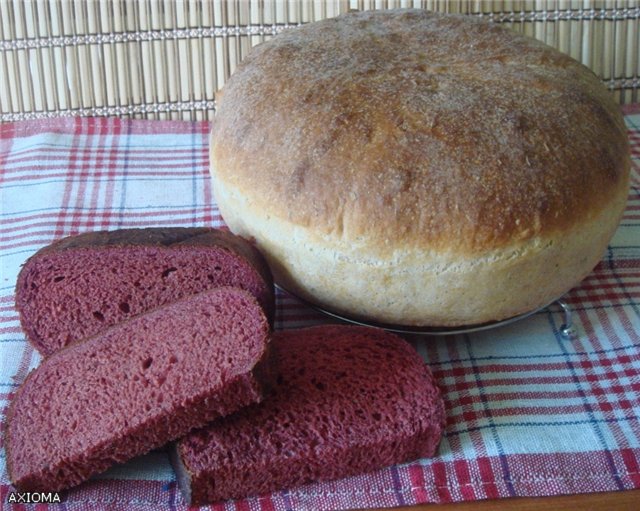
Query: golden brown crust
[[412, 129], [424, 287]]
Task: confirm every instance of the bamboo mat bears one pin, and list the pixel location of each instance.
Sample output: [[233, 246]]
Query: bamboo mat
[[164, 59]]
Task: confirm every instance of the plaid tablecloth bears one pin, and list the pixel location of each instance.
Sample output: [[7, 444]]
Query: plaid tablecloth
[[529, 413]]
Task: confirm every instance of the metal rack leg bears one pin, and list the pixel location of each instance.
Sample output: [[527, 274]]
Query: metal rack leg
[[567, 330]]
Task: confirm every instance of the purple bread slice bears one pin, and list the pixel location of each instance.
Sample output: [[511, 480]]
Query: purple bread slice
[[136, 386], [82, 284], [347, 400]]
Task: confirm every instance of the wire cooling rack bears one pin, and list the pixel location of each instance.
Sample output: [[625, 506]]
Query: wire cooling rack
[[567, 330]]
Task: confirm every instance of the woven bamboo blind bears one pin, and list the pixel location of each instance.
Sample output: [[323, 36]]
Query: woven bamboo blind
[[166, 58]]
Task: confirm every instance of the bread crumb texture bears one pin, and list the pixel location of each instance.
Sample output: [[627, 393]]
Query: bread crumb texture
[[346, 400]]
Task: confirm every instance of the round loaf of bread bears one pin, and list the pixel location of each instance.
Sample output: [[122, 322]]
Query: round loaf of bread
[[420, 169]]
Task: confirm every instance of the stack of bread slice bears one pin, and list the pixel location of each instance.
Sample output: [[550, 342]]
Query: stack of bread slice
[[153, 336]]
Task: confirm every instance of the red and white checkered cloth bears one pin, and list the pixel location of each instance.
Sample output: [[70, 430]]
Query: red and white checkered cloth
[[530, 414]]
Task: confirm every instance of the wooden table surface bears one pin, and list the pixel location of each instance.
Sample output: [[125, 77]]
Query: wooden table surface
[[607, 501]]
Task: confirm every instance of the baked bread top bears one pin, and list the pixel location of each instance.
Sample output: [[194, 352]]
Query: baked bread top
[[412, 129]]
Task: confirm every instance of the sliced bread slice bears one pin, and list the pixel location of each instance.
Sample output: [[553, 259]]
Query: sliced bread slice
[[346, 400], [136, 386], [80, 285]]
